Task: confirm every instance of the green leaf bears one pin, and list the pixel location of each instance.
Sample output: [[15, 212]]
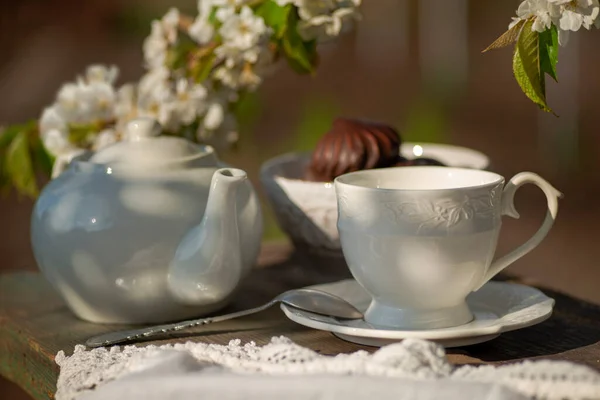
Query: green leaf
[[42, 159], [509, 37], [203, 68], [21, 154], [177, 55], [526, 66], [301, 55], [19, 167], [9, 134], [212, 17], [6, 138], [549, 51], [275, 16]]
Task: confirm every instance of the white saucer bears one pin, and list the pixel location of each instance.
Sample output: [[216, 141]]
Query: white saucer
[[452, 156], [498, 307]]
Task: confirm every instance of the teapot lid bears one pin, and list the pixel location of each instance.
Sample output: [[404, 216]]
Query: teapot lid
[[142, 146]]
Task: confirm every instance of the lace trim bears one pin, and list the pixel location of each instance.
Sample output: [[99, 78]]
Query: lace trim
[[411, 358]]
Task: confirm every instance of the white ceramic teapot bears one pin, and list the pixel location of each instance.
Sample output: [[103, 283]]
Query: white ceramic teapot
[[150, 229]]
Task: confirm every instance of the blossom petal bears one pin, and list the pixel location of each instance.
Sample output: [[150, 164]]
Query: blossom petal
[[563, 37], [571, 21], [214, 116]]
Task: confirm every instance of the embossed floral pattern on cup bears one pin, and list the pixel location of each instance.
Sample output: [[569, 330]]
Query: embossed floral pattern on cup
[[443, 213]]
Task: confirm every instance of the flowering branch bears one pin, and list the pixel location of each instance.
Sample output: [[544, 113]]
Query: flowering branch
[[197, 70], [537, 31]]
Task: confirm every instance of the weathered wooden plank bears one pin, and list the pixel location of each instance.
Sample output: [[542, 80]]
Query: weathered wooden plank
[[35, 324]]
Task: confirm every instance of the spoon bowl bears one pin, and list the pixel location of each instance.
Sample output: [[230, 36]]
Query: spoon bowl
[[319, 302], [310, 300]]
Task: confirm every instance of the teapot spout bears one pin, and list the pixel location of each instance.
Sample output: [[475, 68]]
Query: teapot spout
[[207, 266]]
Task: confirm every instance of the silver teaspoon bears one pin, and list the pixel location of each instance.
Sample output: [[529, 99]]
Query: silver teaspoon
[[310, 300]]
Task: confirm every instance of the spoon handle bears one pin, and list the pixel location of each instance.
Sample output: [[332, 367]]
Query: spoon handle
[[142, 334]]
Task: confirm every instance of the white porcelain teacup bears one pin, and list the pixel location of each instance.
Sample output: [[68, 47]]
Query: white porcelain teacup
[[420, 239]]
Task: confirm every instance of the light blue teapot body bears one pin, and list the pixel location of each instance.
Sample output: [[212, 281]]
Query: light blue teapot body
[[150, 229]]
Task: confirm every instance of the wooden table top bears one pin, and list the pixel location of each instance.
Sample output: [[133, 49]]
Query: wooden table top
[[35, 324]]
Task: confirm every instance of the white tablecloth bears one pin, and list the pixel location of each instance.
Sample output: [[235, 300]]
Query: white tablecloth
[[410, 370]]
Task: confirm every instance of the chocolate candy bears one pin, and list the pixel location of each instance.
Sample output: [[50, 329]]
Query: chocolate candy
[[353, 145]]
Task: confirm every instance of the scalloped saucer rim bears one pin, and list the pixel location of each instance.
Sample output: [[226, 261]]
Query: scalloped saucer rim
[[498, 307]]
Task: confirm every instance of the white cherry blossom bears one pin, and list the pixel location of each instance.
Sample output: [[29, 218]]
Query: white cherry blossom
[[70, 102], [201, 30], [224, 13], [324, 19], [163, 34], [101, 73], [102, 98], [125, 103], [52, 120], [327, 26], [233, 55], [154, 86], [175, 104], [566, 15], [54, 132], [214, 116], [155, 47], [166, 114], [90, 99], [242, 59], [223, 136], [169, 23], [243, 30], [575, 14], [228, 3], [205, 7], [152, 95], [245, 38], [190, 100], [105, 138], [57, 143], [309, 9], [247, 76], [543, 12], [227, 76]]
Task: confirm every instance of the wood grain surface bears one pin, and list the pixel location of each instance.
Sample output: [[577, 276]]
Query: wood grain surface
[[35, 323]]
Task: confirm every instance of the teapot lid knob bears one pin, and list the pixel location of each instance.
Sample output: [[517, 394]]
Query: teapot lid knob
[[142, 128]]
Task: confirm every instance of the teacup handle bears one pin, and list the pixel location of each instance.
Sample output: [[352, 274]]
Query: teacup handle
[[508, 208]]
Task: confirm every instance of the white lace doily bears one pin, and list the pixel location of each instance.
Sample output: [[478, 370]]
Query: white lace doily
[[413, 359]]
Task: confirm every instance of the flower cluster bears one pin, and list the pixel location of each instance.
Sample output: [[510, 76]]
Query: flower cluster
[[538, 30], [566, 15], [197, 69], [81, 107], [321, 19]]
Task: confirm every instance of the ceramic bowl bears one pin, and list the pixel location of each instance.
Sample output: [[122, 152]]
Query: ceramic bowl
[[307, 211]]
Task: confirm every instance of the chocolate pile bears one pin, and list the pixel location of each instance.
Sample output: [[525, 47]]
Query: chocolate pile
[[354, 145]]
